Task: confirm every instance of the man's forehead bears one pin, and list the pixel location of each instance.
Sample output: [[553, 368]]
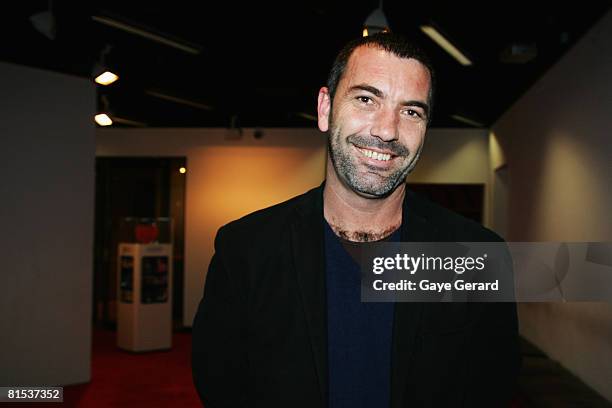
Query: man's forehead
[[366, 53], [368, 61]]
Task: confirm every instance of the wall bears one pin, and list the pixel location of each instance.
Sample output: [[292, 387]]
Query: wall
[[556, 141], [453, 156], [46, 213], [228, 179]]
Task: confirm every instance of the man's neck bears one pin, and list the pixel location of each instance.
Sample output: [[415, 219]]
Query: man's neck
[[358, 218]]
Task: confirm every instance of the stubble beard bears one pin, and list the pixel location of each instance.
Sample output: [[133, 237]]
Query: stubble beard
[[347, 168]]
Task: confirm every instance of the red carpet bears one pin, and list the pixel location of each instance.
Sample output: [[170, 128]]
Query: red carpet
[[123, 379]]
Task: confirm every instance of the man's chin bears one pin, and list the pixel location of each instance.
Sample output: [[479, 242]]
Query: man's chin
[[367, 181], [372, 192]]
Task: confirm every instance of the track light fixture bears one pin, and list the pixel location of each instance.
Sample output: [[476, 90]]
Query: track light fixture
[[376, 22], [103, 118], [101, 73]]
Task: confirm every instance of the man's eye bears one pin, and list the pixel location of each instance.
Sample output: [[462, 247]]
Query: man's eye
[[364, 99], [413, 113]]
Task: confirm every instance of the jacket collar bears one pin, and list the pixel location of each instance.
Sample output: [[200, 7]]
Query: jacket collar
[[415, 223]]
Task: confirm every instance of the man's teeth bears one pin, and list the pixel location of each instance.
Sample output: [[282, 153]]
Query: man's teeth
[[375, 155]]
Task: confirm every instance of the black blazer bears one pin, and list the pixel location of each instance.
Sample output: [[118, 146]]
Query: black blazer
[[260, 332]]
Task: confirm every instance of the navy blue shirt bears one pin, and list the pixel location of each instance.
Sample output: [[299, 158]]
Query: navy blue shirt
[[358, 334]]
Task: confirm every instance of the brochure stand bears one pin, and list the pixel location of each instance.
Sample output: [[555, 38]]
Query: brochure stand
[[144, 297]]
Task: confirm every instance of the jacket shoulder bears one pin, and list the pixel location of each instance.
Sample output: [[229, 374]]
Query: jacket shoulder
[[451, 226]]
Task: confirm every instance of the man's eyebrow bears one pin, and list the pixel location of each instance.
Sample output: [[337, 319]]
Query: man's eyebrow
[[368, 88]]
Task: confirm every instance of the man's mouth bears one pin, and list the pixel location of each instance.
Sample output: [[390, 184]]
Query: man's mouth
[[375, 155]]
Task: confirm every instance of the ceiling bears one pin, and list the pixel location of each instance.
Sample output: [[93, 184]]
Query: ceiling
[[262, 63]]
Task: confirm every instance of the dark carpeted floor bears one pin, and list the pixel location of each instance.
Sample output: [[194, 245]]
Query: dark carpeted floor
[[544, 383], [163, 379], [124, 379]]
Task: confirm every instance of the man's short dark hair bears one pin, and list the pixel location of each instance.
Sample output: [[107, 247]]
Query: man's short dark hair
[[396, 44]]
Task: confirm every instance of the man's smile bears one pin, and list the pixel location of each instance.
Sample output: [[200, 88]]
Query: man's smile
[[375, 157]]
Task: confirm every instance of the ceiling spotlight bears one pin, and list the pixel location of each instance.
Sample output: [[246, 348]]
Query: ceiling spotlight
[[439, 39], [182, 170], [106, 78], [376, 22], [103, 119], [101, 73]]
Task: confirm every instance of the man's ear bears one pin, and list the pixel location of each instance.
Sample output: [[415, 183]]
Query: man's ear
[[323, 107]]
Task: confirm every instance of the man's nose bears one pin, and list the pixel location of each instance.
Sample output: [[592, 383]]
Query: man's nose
[[385, 125]]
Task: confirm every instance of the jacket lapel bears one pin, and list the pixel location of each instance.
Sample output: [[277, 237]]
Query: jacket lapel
[[309, 263], [415, 228]]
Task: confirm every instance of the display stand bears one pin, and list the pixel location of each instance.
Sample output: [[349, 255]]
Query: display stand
[[144, 297]]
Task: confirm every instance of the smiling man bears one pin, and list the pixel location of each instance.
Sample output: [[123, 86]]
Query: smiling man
[[281, 323], [377, 127]]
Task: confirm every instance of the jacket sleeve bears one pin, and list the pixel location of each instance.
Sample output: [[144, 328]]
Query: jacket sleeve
[[494, 350], [219, 363]]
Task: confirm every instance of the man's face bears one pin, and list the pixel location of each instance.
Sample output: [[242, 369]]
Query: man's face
[[377, 121]]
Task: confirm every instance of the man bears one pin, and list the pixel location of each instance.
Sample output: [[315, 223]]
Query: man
[[281, 323]]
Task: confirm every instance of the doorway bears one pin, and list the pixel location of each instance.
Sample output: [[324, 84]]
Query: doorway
[[464, 199], [142, 188]]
